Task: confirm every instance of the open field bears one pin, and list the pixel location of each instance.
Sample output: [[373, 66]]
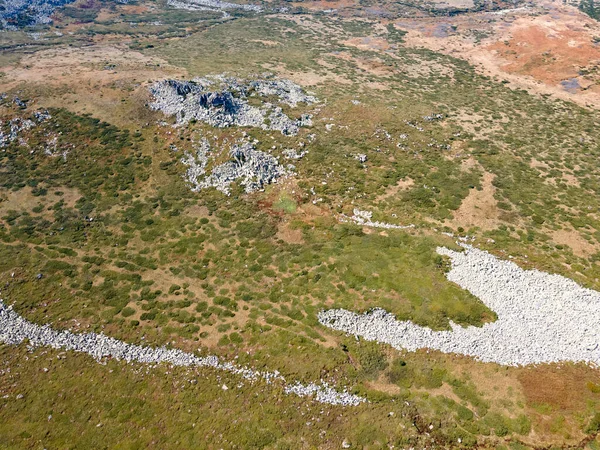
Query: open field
[[453, 119]]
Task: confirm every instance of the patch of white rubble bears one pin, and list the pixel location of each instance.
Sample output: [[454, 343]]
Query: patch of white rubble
[[14, 330], [12, 130], [542, 318], [364, 218], [252, 168], [222, 101]]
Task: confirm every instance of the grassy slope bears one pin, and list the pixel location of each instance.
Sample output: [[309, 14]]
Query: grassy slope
[[161, 262]]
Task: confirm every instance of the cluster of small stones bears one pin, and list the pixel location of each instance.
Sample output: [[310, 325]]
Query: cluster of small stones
[[14, 330], [433, 117], [364, 218], [291, 153], [222, 101], [252, 168], [11, 130], [542, 318], [323, 393], [361, 158]]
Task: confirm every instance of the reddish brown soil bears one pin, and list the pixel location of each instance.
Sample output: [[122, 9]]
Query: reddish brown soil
[[547, 54]]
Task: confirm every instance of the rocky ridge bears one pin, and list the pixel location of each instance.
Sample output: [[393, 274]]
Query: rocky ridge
[[14, 330]]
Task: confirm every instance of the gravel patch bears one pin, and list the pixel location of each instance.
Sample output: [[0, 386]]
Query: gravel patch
[[14, 330], [542, 318]]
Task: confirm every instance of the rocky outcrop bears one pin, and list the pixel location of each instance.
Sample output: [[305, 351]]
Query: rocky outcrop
[[15, 14], [222, 101], [12, 130], [252, 168]]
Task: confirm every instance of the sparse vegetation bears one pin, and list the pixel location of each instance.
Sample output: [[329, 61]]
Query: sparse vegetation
[[109, 238]]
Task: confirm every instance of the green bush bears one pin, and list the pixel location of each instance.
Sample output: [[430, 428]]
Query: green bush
[[371, 358], [127, 312]]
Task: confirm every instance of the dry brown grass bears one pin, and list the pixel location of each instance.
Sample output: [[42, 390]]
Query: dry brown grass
[[24, 200], [479, 208], [564, 387]]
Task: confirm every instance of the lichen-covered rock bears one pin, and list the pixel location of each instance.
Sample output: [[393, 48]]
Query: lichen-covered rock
[[222, 101], [252, 168]]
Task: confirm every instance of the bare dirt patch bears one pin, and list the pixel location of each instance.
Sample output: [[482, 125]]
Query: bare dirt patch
[[290, 235], [24, 200], [400, 186], [565, 388], [104, 64], [368, 43], [197, 211], [382, 385], [546, 49], [550, 53], [572, 239], [104, 80], [479, 208]]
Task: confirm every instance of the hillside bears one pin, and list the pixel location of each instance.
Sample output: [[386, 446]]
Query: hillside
[[299, 224]]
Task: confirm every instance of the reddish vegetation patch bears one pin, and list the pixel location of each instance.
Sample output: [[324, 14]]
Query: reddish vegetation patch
[[368, 43], [134, 9], [547, 54], [565, 388], [320, 5]]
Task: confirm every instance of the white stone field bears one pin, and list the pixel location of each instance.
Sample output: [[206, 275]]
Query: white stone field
[[542, 318]]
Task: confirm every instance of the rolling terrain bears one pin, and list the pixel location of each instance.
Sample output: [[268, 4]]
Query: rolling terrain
[[299, 224]]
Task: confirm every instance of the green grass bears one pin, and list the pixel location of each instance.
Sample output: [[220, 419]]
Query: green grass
[[160, 264]]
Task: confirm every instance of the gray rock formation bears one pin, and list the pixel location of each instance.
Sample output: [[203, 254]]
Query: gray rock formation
[[15, 14], [13, 129], [252, 168], [222, 101]]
